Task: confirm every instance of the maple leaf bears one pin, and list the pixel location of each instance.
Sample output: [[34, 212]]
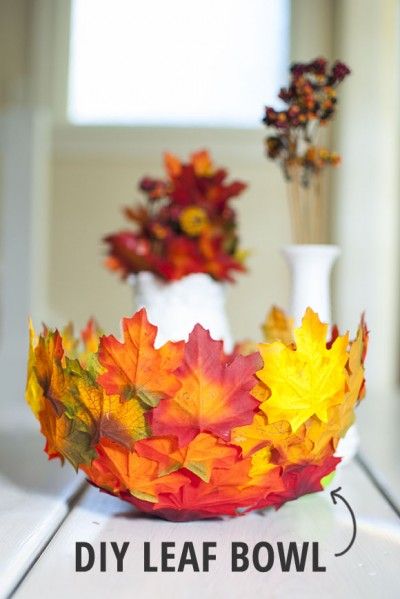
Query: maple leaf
[[303, 479], [230, 491], [139, 474], [200, 456], [90, 336], [202, 163], [33, 391], [48, 392], [245, 347], [259, 433], [261, 463], [134, 368], [307, 379], [355, 367], [321, 438], [278, 327], [172, 165], [90, 340], [206, 452], [69, 341], [66, 439], [163, 450], [342, 416], [202, 499], [285, 446], [46, 363], [102, 415], [73, 409], [214, 394], [88, 415], [101, 474]]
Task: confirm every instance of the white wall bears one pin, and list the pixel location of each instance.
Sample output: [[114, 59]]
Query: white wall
[[367, 184]]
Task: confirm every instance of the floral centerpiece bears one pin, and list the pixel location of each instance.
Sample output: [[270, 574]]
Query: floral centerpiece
[[185, 225], [311, 102], [186, 431], [182, 248]]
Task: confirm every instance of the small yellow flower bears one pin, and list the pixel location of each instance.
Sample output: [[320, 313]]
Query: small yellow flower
[[193, 220]]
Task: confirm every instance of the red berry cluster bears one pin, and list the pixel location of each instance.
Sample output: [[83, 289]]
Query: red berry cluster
[[311, 101]]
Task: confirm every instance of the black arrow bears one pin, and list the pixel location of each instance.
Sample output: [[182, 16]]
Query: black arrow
[[334, 495]]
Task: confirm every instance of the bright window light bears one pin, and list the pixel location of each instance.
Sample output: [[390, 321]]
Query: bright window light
[[176, 62]]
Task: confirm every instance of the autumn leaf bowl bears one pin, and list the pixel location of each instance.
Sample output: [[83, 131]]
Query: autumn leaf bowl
[[187, 432]]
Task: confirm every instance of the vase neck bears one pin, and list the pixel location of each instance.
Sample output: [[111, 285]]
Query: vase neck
[[310, 267]]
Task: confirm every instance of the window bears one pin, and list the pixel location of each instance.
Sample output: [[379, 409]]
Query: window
[[176, 62]]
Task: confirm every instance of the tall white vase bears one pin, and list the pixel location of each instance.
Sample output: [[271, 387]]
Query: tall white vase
[[176, 307], [310, 267]]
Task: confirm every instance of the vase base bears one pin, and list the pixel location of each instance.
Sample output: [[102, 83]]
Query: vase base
[[348, 446], [176, 307]]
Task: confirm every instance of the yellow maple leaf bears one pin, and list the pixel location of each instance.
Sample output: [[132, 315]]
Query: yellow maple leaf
[[261, 462], [306, 379], [342, 416], [69, 341], [33, 392], [251, 436], [278, 326], [355, 377]]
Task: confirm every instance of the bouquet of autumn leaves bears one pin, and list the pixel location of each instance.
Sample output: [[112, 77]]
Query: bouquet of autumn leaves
[[185, 431], [186, 224]]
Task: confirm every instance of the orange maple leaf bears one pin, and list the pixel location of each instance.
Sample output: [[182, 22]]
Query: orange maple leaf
[[172, 164], [202, 163], [214, 394], [73, 409], [202, 454], [134, 368], [139, 474], [91, 336]]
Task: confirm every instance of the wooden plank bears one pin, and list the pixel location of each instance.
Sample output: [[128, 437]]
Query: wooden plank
[[368, 568], [34, 496]]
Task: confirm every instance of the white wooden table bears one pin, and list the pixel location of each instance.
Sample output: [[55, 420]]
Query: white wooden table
[[45, 510]]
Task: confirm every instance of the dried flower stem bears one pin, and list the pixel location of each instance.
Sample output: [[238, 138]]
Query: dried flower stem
[[311, 102], [307, 207]]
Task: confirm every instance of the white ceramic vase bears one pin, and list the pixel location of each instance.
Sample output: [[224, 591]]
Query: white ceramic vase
[[176, 307], [310, 267]]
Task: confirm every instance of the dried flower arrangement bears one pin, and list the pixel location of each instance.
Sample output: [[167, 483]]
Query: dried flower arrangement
[[311, 100], [185, 431], [186, 225]]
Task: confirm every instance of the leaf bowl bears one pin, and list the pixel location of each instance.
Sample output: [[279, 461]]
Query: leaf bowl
[[188, 432]]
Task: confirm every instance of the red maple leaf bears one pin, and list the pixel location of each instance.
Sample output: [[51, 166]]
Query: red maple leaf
[[214, 394]]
